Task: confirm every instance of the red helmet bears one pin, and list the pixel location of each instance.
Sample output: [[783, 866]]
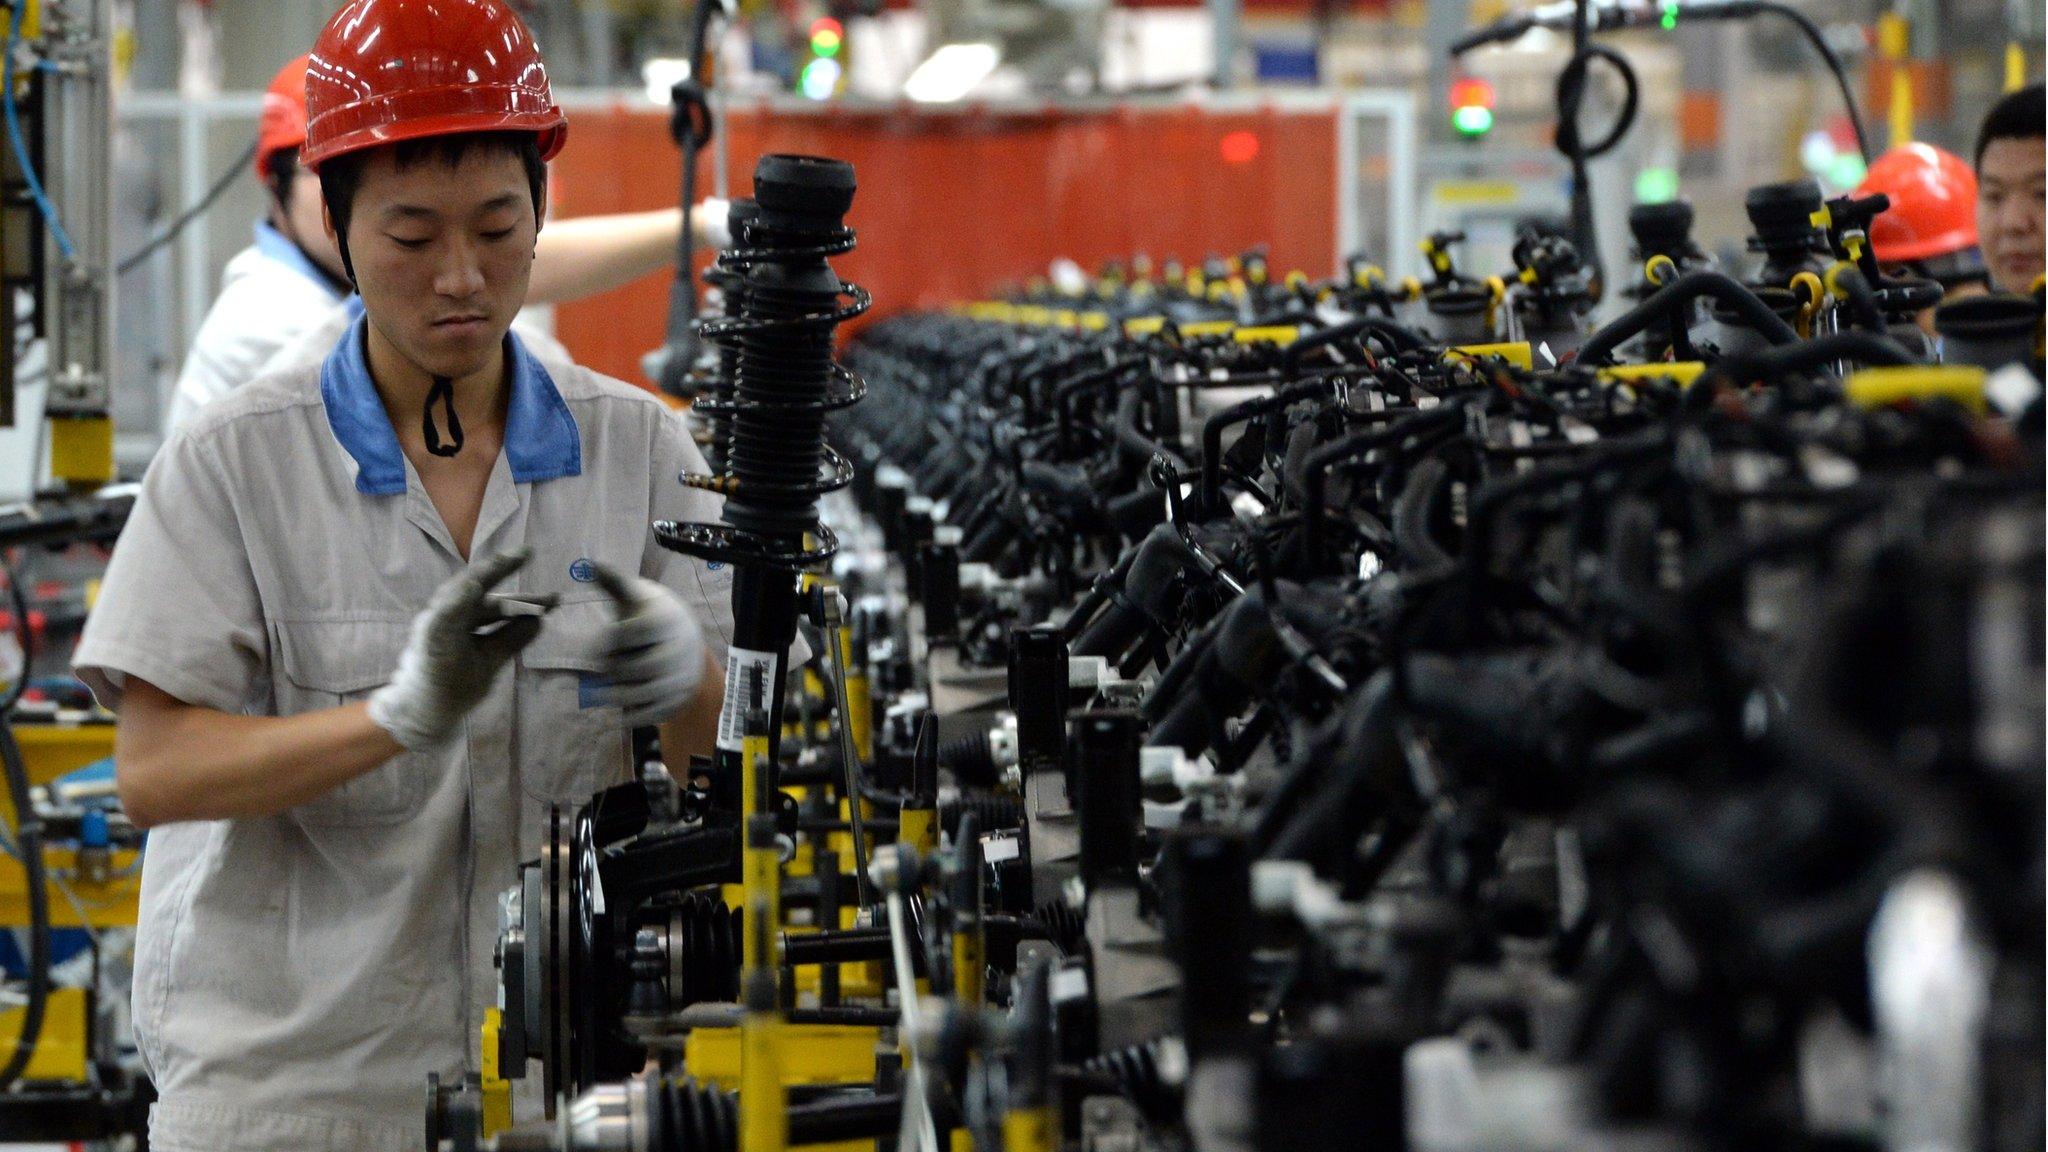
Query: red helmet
[[1934, 203], [282, 124], [390, 70]]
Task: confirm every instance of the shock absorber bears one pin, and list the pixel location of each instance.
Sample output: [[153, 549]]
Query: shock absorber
[[776, 463]]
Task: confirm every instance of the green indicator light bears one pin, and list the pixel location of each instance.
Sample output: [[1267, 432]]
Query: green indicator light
[[825, 43], [820, 79], [1845, 171], [1670, 17], [1473, 120], [1656, 185]]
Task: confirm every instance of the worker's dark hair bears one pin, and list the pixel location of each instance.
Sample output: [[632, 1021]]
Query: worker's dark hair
[[2022, 115], [342, 176], [280, 168]]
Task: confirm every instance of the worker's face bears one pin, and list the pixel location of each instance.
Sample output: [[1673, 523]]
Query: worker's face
[[442, 254], [302, 210], [2009, 211]]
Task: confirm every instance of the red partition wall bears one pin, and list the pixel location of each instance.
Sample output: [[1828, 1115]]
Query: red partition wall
[[956, 203]]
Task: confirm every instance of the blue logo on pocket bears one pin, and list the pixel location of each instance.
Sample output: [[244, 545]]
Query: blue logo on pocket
[[583, 571], [713, 565]]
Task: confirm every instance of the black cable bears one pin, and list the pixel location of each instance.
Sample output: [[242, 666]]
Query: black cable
[[1820, 44], [1571, 96], [177, 227], [692, 126], [29, 837]]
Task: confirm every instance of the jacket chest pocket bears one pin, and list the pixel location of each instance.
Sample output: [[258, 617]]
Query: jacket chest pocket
[[571, 741], [327, 663]]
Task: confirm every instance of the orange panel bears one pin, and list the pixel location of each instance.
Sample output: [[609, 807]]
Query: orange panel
[[1699, 119], [958, 204], [1933, 92]]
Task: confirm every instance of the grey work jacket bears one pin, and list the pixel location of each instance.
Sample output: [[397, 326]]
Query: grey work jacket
[[298, 976]]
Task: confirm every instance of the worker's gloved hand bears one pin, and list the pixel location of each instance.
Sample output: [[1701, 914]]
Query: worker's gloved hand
[[458, 646], [654, 652], [712, 218]]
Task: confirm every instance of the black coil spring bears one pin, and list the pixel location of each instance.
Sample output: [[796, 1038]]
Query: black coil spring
[[693, 1117], [1138, 1077], [710, 951], [991, 813], [731, 282], [1065, 926], [970, 759], [784, 382]]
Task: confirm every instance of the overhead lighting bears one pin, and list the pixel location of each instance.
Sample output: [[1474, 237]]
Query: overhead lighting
[[950, 73]]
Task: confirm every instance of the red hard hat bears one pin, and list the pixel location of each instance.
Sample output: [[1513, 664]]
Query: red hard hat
[[1934, 203], [390, 70], [282, 123]]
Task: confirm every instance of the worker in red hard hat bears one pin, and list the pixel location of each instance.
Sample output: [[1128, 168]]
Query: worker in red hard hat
[[372, 618], [1930, 230], [289, 286]]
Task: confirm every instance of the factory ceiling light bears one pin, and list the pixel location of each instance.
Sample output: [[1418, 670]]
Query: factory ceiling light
[[951, 72]]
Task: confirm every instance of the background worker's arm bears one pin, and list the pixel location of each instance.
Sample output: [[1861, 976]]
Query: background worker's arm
[[587, 255], [177, 761]]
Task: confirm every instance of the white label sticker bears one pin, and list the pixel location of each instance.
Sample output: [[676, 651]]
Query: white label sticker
[[997, 849], [1068, 984], [749, 684]]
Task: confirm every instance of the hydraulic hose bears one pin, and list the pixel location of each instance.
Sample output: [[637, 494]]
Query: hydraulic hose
[[1678, 294], [1863, 347], [1156, 567], [1212, 430], [1133, 440], [1307, 813], [1399, 337], [1861, 297], [1317, 468]]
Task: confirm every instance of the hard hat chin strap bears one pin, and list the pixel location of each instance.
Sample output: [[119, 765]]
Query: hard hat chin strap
[[445, 389]]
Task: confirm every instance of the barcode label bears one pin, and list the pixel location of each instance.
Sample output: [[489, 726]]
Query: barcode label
[[749, 684]]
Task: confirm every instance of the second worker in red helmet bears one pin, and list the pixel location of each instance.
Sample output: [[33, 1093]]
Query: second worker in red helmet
[[1930, 230]]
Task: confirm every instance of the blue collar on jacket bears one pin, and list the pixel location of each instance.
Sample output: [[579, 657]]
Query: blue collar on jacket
[[279, 247], [542, 441]]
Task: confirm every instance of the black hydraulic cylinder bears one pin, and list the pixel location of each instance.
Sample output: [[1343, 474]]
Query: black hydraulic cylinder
[[1208, 898], [1104, 748], [1038, 695], [939, 591]]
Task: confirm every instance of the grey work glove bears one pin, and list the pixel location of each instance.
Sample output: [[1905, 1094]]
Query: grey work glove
[[654, 650], [458, 645]]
